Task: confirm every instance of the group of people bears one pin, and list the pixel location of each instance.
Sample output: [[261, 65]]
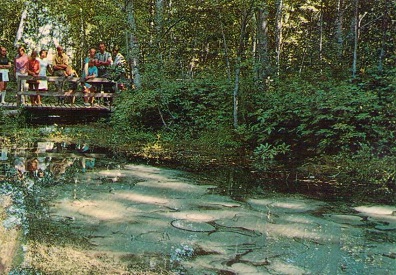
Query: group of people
[[96, 64]]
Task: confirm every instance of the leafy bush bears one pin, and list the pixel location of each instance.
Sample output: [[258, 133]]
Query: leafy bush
[[325, 119], [184, 106]]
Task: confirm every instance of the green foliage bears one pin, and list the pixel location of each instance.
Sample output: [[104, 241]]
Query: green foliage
[[326, 118], [347, 128], [185, 106], [363, 174], [379, 171], [266, 154]]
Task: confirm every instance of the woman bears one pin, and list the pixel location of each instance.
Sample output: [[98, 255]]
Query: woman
[[21, 64], [5, 65], [44, 66], [34, 70]]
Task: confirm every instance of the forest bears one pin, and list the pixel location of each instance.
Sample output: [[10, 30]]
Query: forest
[[302, 86]]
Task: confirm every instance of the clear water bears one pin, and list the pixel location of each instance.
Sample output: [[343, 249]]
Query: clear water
[[165, 219]]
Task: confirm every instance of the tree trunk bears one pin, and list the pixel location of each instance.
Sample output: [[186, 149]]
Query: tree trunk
[[321, 38], [226, 57], [384, 39], [236, 91], [82, 42], [133, 58], [159, 14], [21, 25], [240, 51], [358, 22], [339, 35], [279, 23], [356, 38], [262, 46]]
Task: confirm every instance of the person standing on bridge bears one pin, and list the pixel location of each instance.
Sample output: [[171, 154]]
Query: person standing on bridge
[[60, 63], [44, 67], [61, 67], [21, 65], [120, 67], [5, 65], [34, 70], [87, 88], [91, 55], [104, 60]]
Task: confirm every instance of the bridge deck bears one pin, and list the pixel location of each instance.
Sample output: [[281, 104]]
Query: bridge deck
[[67, 107], [58, 107]]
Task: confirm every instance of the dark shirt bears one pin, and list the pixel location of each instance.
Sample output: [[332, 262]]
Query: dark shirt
[[4, 60], [102, 70]]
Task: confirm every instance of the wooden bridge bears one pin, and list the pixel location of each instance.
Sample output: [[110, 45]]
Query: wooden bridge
[[60, 102]]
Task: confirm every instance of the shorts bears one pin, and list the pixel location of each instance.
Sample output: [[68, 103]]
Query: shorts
[[4, 75]]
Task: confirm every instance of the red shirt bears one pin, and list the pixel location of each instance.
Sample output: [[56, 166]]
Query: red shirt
[[33, 67]]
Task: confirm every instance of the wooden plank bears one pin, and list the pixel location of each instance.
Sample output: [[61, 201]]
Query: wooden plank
[[68, 94], [66, 107], [49, 78], [55, 79], [100, 80]]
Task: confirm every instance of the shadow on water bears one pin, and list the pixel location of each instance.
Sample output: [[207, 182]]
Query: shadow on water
[[240, 182], [65, 117], [59, 159]]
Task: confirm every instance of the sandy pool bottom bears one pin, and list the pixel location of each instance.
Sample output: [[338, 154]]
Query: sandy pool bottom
[[146, 219]]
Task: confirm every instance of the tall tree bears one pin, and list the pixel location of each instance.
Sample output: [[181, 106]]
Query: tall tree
[[263, 66], [133, 56], [279, 33], [159, 19], [384, 35], [321, 37], [339, 29], [355, 38], [21, 27], [247, 13]]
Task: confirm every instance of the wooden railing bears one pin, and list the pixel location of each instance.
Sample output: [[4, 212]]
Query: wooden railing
[[60, 91]]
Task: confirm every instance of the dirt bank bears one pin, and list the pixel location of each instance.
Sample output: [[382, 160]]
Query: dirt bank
[[9, 238]]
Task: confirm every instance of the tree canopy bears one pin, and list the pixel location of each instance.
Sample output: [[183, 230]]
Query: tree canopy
[[186, 37]]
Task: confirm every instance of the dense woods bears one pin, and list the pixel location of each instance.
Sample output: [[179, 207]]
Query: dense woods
[[291, 83]]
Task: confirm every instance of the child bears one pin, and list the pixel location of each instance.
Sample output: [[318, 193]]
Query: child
[[87, 88]]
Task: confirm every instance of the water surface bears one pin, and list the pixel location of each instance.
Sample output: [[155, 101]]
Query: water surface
[[161, 218]]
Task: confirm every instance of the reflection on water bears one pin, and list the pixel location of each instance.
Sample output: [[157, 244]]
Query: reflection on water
[[46, 160]]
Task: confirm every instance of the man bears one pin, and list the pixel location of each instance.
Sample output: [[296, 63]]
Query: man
[[119, 59], [120, 67], [60, 63], [60, 66], [5, 65], [104, 60]]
